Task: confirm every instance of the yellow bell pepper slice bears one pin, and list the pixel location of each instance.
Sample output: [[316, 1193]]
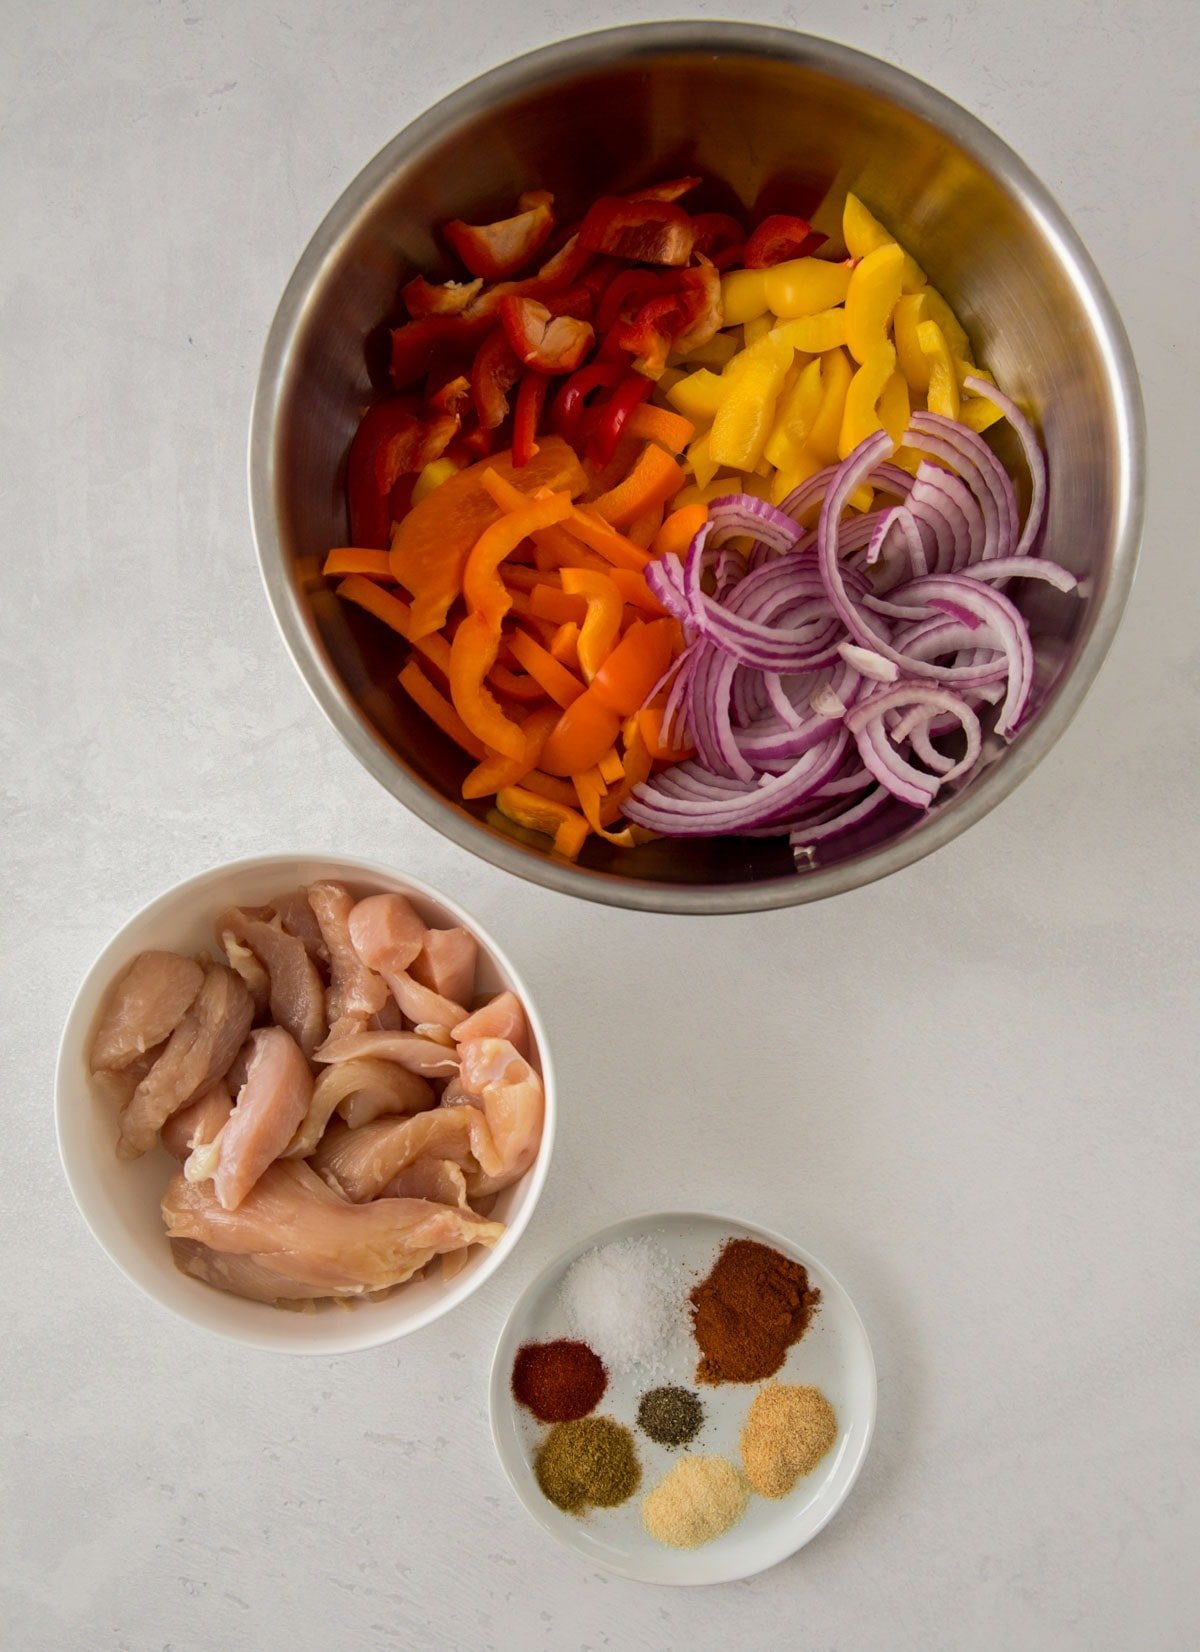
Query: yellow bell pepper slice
[[743, 296], [758, 328], [714, 352], [978, 414], [943, 381], [432, 476], [566, 826], [803, 286], [863, 234], [859, 416], [873, 295], [747, 411], [703, 466], [815, 333], [698, 395], [909, 314], [936, 309], [806, 464], [794, 415], [895, 407], [836, 373]]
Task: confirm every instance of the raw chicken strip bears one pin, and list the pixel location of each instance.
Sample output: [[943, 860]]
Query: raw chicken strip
[[514, 1102], [447, 963], [270, 1106], [355, 992], [388, 936], [501, 1017], [494, 1140], [361, 1163], [370, 1086], [115, 1089], [388, 1019], [419, 1055], [292, 1223], [297, 995], [246, 1276], [439, 1179], [295, 913], [199, 1123], [148, 1002], [379, 1088], [258, 982], [197, 1054]]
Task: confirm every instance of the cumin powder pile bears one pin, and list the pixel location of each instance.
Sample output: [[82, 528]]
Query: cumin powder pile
[[753, 1305]]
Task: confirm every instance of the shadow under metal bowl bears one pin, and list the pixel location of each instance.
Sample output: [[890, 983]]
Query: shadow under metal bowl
[[780, 121]]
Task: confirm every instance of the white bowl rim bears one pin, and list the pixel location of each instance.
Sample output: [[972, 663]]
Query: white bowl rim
[[498, 1380], [352, 1339]]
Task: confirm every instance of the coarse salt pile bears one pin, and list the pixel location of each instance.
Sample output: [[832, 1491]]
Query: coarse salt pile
[[626, 1300]]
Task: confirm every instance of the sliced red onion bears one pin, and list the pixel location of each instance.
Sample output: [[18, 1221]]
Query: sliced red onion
[[1031, 447], [869, 662], [804, 839], [712, 809]]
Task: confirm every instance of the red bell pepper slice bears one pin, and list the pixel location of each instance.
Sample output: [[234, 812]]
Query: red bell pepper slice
[[493, 373], [571, 402], [702, 314], [531, 399], [643, 232], [453, 395], [419, 344], [386, 444], [610, 416], [779, 238], [628, 291], [716, 232], [423, 297], [547, 343], [498, 250], [670, 190]]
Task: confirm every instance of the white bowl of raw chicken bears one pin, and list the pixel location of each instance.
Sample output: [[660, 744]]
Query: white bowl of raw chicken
[[120, 1198]]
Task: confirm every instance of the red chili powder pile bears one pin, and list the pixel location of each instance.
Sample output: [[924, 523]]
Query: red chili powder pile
[[558, 1381]]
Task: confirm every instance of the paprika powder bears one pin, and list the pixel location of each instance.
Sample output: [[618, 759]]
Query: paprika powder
[[749, 1310]]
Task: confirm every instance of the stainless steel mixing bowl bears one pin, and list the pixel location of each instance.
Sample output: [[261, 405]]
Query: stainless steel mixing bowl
[[784, 121]]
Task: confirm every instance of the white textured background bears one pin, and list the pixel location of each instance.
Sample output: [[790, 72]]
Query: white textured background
[[972, 1089]]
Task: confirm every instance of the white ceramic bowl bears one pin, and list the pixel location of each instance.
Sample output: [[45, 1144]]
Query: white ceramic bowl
[[119, 1200]]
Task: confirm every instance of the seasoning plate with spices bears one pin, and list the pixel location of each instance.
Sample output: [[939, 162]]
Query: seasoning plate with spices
[[683, 1398]]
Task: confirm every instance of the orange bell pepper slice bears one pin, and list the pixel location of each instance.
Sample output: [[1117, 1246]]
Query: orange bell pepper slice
[[649, 724], [565, 647], [431, 544], [679, 529], [516, 686], [584, 732], [482, 586], [565, 825], [554, 603], [364, 593], [472, 656], [590, 792], [545, 785], [652, 481], [438, 709], [612, 769], [642, 531], [635, 591], [496, 772], [350, 559], [628, 676], [658, 424], [602, 537], [602, 621], [559, 683]]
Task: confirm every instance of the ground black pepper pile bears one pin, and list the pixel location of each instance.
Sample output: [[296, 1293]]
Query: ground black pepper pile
[[671, 1416]]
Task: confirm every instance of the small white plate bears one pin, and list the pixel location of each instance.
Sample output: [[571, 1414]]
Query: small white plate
[[833, 1355]]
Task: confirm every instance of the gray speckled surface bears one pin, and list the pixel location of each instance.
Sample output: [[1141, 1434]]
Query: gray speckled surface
[[985, 1066]]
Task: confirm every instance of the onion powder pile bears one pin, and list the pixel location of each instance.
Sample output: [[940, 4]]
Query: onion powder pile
[[626, 1300]]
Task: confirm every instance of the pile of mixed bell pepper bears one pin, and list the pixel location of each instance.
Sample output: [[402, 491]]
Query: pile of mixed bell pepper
[[506, 497]]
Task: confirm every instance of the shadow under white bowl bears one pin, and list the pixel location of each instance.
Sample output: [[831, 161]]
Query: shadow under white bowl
[[834, 1354], [119, 1200]]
